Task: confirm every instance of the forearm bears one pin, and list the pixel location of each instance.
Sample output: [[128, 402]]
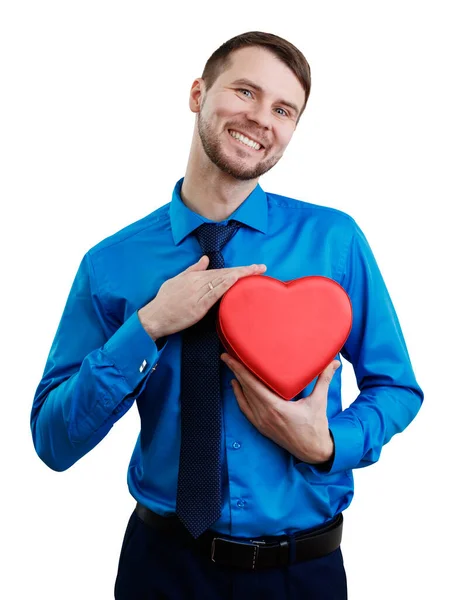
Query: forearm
[[75, 407], [95, 369], [390, 396], [361, 430], [54, 435]]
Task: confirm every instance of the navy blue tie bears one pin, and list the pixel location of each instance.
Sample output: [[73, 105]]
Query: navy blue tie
[[199, 501]]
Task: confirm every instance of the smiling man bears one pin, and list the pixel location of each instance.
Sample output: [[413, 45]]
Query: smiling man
[[244, 124], [239, 494]]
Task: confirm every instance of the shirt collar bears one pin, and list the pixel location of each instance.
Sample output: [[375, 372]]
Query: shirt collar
[[252, 212]]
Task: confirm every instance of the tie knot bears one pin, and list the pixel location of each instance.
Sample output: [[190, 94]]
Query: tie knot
[[213, 237]]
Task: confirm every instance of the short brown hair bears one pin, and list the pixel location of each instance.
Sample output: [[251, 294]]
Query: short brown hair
[[281, 48]]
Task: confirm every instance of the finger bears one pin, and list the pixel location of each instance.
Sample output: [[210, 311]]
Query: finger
[[234, 365], [200, 265], [221, 284], [248, 380], [223, 279], [241, 399], [241, 373], [324, 379], [240, 271]]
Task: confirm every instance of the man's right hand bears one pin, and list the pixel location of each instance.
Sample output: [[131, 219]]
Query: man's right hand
[[186, 298]]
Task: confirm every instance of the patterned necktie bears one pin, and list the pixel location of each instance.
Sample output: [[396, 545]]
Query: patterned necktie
[[199, 501]]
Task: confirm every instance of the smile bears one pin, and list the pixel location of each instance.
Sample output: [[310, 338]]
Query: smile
[[242, 139]]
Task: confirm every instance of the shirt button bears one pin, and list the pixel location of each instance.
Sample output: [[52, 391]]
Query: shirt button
[[241, 503], [236, 445], [154, 368]]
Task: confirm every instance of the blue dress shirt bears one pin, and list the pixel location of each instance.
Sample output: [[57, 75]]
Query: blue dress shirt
[[102, 361]]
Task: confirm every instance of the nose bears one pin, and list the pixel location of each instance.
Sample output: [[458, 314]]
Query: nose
[[260, 114]]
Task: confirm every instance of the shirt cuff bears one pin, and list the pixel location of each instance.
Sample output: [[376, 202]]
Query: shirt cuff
[[133, 351], [348, 441]]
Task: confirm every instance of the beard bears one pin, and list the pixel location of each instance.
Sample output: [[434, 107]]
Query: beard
[[237, 167]]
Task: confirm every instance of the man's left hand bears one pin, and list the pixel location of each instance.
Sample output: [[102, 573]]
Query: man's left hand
[[301, 427]]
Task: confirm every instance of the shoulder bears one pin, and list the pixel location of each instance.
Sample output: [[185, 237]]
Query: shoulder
[[319, 214], [146, 227]]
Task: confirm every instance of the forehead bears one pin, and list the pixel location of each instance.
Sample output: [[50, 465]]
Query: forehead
[[265, 70]]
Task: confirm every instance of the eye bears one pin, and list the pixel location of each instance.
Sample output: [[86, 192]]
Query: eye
[[285, 113], [244, 90]]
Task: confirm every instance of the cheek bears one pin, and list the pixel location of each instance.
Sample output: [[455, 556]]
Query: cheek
[[230, 107], [229, 114], [284, 138]]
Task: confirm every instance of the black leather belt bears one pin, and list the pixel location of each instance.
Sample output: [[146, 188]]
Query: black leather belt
[[269, 551]]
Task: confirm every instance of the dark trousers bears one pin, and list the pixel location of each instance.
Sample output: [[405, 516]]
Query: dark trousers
[[155, 565]]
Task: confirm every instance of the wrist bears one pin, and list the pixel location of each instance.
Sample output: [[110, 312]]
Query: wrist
[[328, 455], [149, 325], [325, 452]]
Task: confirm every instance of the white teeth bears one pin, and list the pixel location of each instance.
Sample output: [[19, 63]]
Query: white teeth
[[245, 140]]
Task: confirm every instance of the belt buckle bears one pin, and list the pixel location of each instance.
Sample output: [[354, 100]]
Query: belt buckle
[[254, 544]]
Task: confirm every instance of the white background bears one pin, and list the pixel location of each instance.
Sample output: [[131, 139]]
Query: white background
[[95, 131]]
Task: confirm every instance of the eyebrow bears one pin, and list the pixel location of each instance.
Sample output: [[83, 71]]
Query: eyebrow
[[249, 83]]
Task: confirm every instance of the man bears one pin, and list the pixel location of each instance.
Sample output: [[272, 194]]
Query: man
[[239, 493]]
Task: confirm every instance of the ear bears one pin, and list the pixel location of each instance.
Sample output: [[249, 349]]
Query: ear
[[196, 94]]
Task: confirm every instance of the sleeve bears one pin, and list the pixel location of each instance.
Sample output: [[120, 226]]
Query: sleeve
[[389, 396], [91, 377]]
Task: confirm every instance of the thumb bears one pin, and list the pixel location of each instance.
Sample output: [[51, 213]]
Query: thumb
[[200, 265], [324, 379]]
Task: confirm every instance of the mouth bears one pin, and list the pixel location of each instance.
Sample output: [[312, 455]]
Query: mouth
[[244, 141]]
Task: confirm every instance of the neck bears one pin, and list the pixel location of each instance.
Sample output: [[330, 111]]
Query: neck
[[210, 192]]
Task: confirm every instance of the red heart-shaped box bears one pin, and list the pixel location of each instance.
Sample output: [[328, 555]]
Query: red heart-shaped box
[[286, 333]]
